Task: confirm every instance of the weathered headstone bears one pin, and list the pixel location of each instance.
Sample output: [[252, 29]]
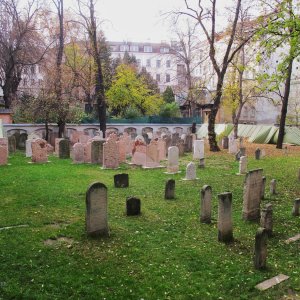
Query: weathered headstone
[[173, 157], [64, 149], [263, 187], [3, 155], [28, 150], [152, 155], [243, 165], [161, 146], [240, 153], [96, 210], [133, 206], [252, 195], [188, 143], [78, 153], [202, 163], [87, 152], [139, 153], [225, 232], [190, 171], [170, 189], [111, 152], [273, 187], [180, 145], [39, 151], [97, 151], [296, 207], [225, 142], [271, 282], [175, 139], [232, 147], [257, 153], [12, 144], [266, 219], [260, 252], [56, 147], [198, 149], [205, 204], [121, 180], [168, 140]]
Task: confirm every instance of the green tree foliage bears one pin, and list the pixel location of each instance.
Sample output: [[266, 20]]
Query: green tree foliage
[[148, 79], [128, 90], [168, 95], [170, 110]]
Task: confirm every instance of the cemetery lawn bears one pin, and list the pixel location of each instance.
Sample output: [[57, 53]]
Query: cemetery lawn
[[165, 253]]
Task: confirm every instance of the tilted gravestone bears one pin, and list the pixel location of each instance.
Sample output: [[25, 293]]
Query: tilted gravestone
[[64, 149], [173, 160], [273, 187], [266, 219], [121, 180], [133, 206], [296, 208], [205, 204], [260, 252], [97, 151], [252, 195], [225, 231], [96, 210], [170, 189]]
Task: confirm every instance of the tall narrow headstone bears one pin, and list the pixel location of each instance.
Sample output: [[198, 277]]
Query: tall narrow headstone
[[12, 144], [243, 165], [188, 143], [257, 153], [205, 204], [198, 149], [260, 252], [173, 160], [232, 147], [3, 155], [152, 155], [78, 153], [180, 145], [225, 232], [161, 146], [87, 152], [252, 195], [96, 210], [133, 206], [64, 148], [266, 219], [121, 180], [263, 187], [190, 171], [97, 151], [170, 189], [296, 208], [111, 152], [202, 163], [273, 187], [225, 141]]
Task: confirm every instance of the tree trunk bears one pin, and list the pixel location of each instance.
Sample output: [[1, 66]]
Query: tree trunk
[[213, 145], [47, 130], [285, 101], [61, 128], [236, 120]]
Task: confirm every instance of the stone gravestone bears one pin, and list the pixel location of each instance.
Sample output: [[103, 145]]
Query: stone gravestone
[[3, 155], [78, 153], [257, 153], [96, 210], [260, 252], [161, 146], [273, 187], [170, 189], [56, 146], [225, 232], [12, 144], [202, 163], [243, 165], [232, 147], [28, 150], [111, 153], [173, 157], [175, 139], [122, 149], [190, 171], [87, 152], [152, 155], [198, 149], [168, 141], [64, 149], [121, 180], [205, 204], [97, 151], [188, 143], [263, 187], [296, 208], [180, 145], [139, 152], [225, 141], [133, 206], [266, 219], [252, 195], [39, 151], [125, 143]]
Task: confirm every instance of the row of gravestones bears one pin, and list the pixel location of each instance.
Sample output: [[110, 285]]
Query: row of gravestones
[[96, 210]]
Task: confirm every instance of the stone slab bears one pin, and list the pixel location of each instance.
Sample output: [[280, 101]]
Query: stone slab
[[293, 239], [271, 282]]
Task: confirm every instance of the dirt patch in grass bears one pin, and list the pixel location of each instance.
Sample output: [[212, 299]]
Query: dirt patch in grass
[[59, 240]]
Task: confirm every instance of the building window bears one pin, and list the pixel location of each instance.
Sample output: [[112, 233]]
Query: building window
[[147, 48], [168, 78], [164, 50], [168, 64], [158, 77], [158, 62], [148, 63], [134, 48], [124, 48]]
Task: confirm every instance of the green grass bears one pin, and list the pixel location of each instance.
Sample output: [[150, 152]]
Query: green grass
[[165, 253]]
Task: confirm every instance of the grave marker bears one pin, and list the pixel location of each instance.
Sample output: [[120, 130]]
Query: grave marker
[[273, 187], [205, 204], [133, 206], [190, 171], [225, 233], [170, 189], [121, 180], [173, 157], [260, 252], [266, 219], [64, 149]]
